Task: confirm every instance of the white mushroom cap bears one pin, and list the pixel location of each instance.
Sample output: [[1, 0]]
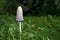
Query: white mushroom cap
[[19, 16]]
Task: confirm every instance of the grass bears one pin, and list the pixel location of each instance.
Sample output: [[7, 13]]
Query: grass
[[34, 28]]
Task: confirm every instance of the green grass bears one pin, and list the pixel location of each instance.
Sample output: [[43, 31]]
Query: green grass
[[34, 28]]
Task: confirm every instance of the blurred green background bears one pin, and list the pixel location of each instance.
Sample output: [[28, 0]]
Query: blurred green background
[[31, 7], [41, 20]]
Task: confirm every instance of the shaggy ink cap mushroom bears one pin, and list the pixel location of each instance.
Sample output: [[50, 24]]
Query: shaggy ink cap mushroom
[[19, 16]]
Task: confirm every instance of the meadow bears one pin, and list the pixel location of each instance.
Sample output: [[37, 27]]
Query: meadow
[[33, 28]]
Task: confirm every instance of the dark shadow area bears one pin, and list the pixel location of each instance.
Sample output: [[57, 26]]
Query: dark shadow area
[[31, 7]]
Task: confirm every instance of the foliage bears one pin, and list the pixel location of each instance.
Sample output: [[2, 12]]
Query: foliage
[[34, 28], [8, 7], [31, 7]]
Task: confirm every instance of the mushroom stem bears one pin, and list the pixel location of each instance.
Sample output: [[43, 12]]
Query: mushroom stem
[[20, 26]]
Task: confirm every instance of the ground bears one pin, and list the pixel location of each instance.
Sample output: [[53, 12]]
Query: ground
[[33, 28]]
